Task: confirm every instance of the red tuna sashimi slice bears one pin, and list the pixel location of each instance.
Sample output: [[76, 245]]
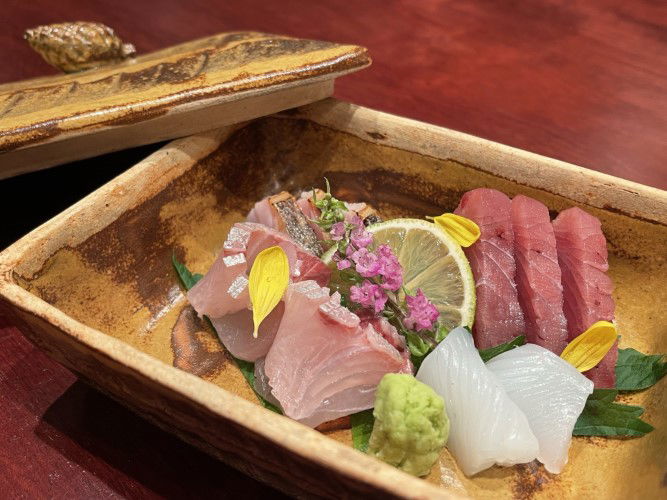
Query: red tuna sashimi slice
[[498, 317], [582, 255], [323, 363], [538, 277], [603, 374]]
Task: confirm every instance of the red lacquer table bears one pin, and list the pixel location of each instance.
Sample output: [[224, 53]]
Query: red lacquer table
[[575, 81]]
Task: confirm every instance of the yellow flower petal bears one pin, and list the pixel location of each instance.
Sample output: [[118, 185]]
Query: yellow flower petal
[[588, 349], [268, 281], [463, 230]]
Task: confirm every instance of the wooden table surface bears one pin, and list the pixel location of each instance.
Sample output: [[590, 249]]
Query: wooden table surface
[[581, 81]]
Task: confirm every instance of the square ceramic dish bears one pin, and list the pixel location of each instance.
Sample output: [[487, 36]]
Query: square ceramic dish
[[94, 287]]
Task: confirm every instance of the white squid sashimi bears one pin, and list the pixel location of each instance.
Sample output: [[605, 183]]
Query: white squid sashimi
[[486, 426], [550, 392]]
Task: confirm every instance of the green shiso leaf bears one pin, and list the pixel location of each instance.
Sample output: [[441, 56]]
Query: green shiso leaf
[[362, 427], [492, 352], [636, 371], [603, 417], [187, 278], [247, 368]]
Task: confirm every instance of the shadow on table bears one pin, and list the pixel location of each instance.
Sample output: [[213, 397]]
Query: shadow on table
[[33, 198], [116, 439]]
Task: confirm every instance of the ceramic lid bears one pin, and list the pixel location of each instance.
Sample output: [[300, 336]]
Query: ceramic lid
[[178, 91]]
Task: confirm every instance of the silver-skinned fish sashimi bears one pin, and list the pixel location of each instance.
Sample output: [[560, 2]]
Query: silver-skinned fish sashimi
[[282, 213]]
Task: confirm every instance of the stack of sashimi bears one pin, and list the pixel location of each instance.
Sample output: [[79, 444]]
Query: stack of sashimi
[[319, 361], [534, 276], [315, 358]]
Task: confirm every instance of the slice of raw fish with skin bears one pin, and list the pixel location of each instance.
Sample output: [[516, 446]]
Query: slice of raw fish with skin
[[281, 212], [550, 392], [498, 318], [222, 294], [305, 203], [264, 213], [224, 289], [303, 264], [587, 289], [486, 426], [323, 363], [235, 332], [538, 276], [311, 212]]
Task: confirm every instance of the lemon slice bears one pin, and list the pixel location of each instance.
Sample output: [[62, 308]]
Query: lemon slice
[[433, 261]]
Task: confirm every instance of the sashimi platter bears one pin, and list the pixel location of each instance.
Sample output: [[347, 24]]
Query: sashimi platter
[[486, 335]]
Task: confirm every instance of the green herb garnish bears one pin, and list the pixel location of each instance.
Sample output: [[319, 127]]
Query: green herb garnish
[[636, 371], [492, 352], [332, 210], [420, 348], [603, 417], [187, 278], [362, 427], [247, 368]]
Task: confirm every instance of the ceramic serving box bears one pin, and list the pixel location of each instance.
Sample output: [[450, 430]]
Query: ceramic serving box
[[94, 287]]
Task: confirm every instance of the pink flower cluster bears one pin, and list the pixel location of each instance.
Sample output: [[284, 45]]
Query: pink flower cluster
[[381, 272], [369, 295], [380, 267], [422, 314]]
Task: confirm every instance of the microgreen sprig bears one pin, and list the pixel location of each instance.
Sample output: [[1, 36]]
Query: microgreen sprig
[[332, 210]]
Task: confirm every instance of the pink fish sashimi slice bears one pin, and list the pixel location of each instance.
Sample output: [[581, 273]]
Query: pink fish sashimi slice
[[224, 288], [538, 277], [324, 364], [235, 332], [252, 238], [395, 339], [222, 294], [264, 213], [499, 317], [582, 255]]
